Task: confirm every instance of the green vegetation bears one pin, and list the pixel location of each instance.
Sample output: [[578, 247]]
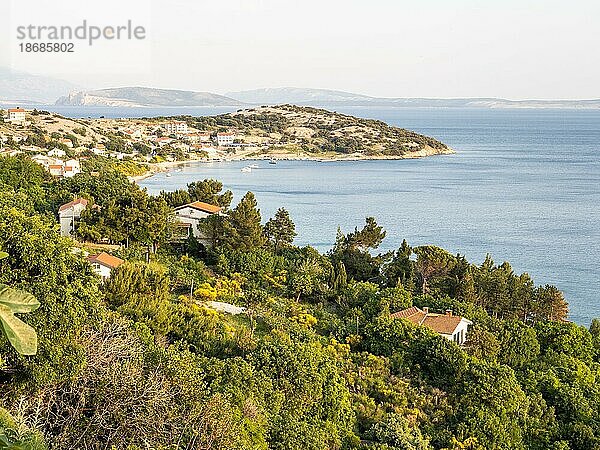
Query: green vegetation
[[142, 360], [317, 130]]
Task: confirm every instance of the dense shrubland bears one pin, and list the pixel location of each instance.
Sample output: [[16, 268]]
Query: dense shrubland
[[318, 130], [315, 363]]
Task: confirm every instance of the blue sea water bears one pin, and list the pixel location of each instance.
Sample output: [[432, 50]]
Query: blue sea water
[[523, 186]]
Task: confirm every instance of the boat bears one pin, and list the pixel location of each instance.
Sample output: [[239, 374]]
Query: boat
[[253, 166], [246, 169], [168, 174], [272, 161]]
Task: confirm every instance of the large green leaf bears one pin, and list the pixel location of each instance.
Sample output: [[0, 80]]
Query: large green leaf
[[3, 255], [17, 301], [22, 337]]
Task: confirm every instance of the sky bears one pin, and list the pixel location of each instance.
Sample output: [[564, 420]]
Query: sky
[[542, 49]]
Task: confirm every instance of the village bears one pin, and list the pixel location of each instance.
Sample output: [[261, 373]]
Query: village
[[60, 145]]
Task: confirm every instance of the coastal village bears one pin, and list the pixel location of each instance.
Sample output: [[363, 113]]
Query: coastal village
[[148, 145], [62, 146]]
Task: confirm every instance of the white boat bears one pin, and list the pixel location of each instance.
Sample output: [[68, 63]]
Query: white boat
[[253, 166], [168, 174], [272, 161], [246, 169]]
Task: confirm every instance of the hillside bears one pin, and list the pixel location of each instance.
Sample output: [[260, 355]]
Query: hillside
[[256, 343], [142, 96], [296, 129]]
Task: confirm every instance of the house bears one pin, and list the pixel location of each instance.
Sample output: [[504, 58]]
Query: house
[[99, 149], [454, 328], [69, 214], [133, 133], [103, 264], [16, 115], [202, 136], [189, 217], [67, 142], [224, 139], [57, 153], [163, 141], [71, 168], [56, 170], [175, 127]]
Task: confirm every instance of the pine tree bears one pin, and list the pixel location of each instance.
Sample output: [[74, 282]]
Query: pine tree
[[280, 229], [242, 229]]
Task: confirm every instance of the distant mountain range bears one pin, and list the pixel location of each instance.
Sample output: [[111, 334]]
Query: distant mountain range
[[330, 98], [21, 88], [142, 96]]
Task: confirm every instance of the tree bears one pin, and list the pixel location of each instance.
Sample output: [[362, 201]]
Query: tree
[[432, 262], [209, 191], [280, 230], [549, 304], [242, 229], [370, 236], [400, 268], [306, 278], [399, 433]]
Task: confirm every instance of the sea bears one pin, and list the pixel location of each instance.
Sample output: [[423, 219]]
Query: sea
[[523, 186]]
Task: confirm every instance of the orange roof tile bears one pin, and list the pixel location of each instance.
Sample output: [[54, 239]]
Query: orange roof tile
[[440, 323], [77, 201], [16, 110], [206, 207], [106, 260]]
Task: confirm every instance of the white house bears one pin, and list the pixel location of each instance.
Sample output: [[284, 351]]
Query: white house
[[202, 136], [454, 328], [67, 142], [175, 127], [71, 168], [69, 215], [99, 149], [16, 115], [57, 153], [103, 264], [189, 217], [224, 139]]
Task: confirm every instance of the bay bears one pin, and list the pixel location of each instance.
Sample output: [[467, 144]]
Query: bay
[[523, 186]]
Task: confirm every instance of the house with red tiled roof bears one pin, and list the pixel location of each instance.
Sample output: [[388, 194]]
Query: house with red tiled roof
[[225, 138], [452, 327], [191, 215], [69, 215], [16, 115], [104, 263]]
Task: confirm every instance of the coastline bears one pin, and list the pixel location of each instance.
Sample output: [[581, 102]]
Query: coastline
[[162, 167]]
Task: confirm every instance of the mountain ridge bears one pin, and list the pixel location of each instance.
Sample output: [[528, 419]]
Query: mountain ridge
[[137, 96]]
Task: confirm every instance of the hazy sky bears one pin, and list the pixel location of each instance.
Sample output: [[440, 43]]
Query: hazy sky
[[417, 48]]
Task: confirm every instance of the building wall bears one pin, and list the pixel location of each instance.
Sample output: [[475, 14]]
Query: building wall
[[460, 334], [193, 217], [68, 219], [101, 270]]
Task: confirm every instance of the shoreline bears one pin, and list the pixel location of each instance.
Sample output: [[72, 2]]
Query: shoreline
[[162, 167]]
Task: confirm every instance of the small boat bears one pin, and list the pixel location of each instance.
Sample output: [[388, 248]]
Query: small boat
[[246, 169], [253, 166], [168, 174], [272, 161]]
